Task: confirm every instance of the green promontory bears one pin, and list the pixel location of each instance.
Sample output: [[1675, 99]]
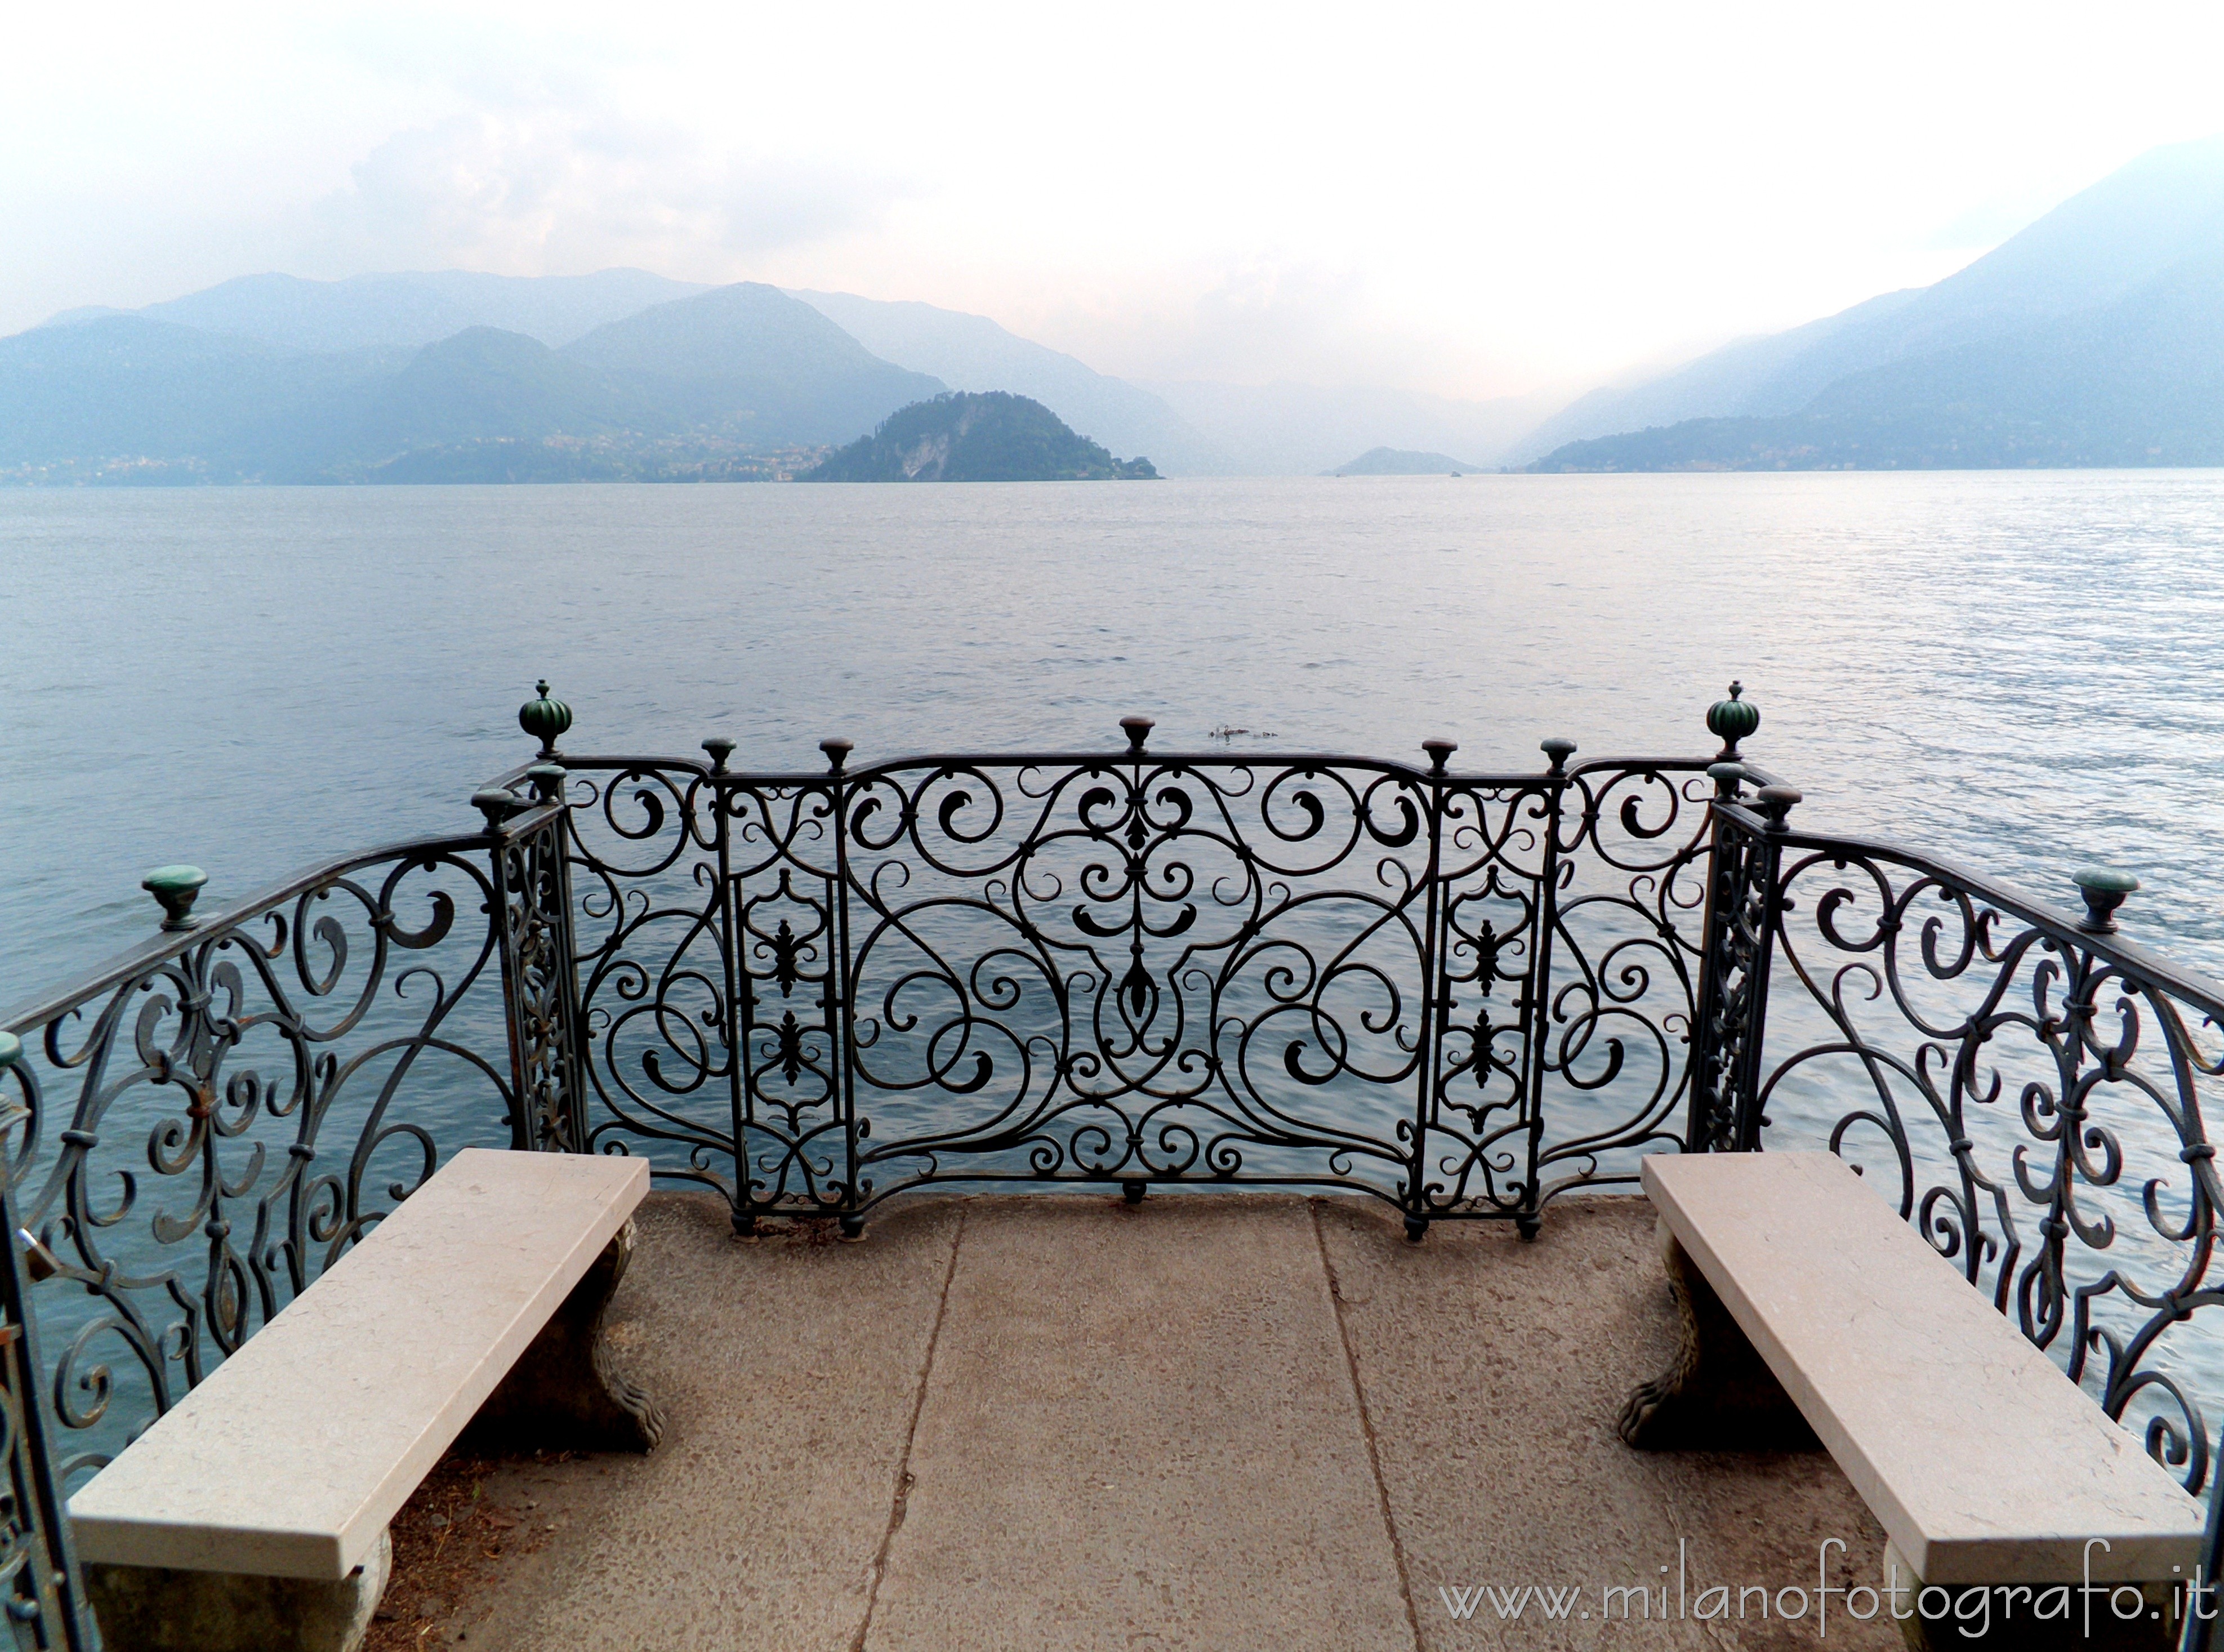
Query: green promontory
[[976, 436]]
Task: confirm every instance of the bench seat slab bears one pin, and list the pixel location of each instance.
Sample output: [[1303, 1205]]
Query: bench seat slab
[[1983, 1463], [289, 1460]]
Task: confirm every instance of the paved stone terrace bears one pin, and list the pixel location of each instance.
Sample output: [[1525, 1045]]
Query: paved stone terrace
[[1225, 1422]]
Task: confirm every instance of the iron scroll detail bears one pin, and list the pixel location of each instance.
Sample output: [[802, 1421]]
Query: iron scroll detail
[[1463, 996]]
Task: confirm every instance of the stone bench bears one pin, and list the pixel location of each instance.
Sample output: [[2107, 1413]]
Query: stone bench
[[254, 1514], [1812, 1313]]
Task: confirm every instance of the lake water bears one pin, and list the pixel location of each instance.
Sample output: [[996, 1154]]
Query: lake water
[[2018, 671], [2023, 670]]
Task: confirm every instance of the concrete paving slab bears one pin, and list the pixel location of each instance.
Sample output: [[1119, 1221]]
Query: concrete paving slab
[[1492, 1370], [1141, 1431], [1132, 1429], [789, 1369]]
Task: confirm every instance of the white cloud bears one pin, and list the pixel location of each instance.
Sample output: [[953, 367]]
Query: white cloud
[[550, 191], [1465, 196]]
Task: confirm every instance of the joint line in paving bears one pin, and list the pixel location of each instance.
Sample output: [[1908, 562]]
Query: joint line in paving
[[901, 1503], [1366, 1424]]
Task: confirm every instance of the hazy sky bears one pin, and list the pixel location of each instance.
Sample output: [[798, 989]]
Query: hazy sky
[[1474, 199]]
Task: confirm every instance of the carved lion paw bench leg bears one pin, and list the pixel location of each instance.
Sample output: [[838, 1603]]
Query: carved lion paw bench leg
[[565, 1392], [1719, 1395]]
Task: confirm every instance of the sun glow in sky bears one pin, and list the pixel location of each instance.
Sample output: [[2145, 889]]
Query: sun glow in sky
[[1474, 199]]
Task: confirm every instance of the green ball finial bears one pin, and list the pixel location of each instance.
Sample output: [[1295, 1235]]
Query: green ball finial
[[544, 720], [175, 889], [1732, 720], [2105, 888]]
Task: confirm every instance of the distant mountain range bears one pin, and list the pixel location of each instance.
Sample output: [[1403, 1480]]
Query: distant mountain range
[[2093, 337], [451, 376], [689, 388], [976, 436]]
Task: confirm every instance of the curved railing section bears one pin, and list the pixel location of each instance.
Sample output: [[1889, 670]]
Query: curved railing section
[[1461, 995], [2025, 1086], [198, 1130]]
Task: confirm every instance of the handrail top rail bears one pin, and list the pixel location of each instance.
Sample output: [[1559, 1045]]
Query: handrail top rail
[[703, 769], [2149, 967], [31, 1013]]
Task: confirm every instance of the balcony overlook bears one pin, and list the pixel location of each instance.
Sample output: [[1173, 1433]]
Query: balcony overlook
[[1208, 1421], [1115, 1199]]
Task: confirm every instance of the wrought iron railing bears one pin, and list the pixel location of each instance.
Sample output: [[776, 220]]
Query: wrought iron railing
[[1464, 996], [195, 1133], [2026, 1087]]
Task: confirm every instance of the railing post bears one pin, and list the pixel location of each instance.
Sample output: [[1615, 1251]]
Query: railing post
[[1537, 1008], [842, 1011], [42, 1590], [740, 991], [1706, 1121], [1767, 859], [531, 880], [511, 903], [1436, 991], [550, 866], [539, 967], [1737, 941]]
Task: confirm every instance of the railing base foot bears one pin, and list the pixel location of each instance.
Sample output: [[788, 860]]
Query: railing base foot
[[853, 1228], [1529, 1226], [1132, 1192], [1417, 1228]]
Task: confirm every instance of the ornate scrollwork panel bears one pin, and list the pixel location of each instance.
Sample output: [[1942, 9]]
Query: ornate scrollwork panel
[[1140, 970], [1617, 1011], [1462, 995], [195, 1138]]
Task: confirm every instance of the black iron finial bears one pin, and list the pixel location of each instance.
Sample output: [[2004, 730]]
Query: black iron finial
[[544, 720], [720, 749], [1726, 776], [547, 780], [1139, 730], [2104, 889], [1439, 752], [838, 751], [497, 803], [1776, 802], [1558, 751], [1732, 720]]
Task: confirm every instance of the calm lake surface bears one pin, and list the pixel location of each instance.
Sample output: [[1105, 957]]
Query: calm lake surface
[[2022, 670]]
